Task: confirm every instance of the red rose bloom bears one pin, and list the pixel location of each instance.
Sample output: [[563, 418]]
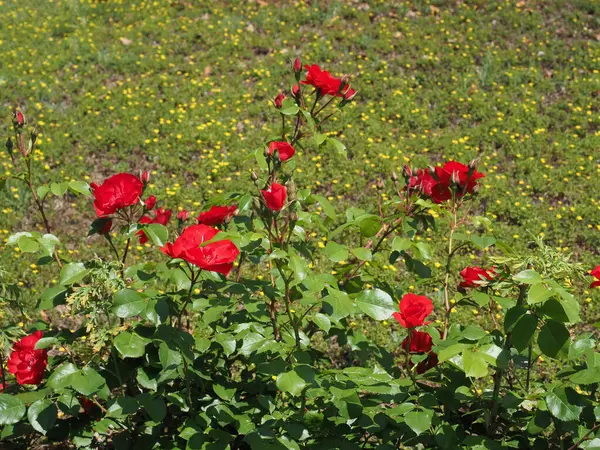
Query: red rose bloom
[[422, 181], [596, 274], [161, 216], [150, 202], [413, 310], [275, 196], [117, 192], [475, 276], [278, 101], [284, 150], [216, 257], [326, 83], [420, 342], [216, 215], [458, 174], [26, 363]]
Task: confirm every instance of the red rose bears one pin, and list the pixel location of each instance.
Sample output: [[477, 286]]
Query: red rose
[[297, 65], [19, 118], [420, 342], [145, 177], [461, 175], [150, 202], [326, 83], [161, 216], [349, 94], [275, 196], [295, 90], [278, 101], [216, 215], [216, 257], [422, 181], [284, 150], [25, 362], [183, 215], [596, 274], [413, 310], [475, 276], [117, 192]]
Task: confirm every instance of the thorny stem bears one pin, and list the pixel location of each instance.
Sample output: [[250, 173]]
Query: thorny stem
[[324, 106], [2, 371], [125, 257], [407, 357], [447, 276], [495, 404], [193, 279]]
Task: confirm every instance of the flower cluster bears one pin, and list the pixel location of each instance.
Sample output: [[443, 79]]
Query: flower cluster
[[440, 184]]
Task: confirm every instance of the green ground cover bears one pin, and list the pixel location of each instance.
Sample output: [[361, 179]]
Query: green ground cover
[[181, 88]]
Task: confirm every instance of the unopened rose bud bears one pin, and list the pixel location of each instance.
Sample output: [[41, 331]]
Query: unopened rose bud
[[394, 177], [9, 146], [266, 153], [380, 185], [297, 65], [150, 202], [183, 215], [254, 176], [294, 217], [278, 101], [145, 177], [407, 171], [291, 190], [18, 119], [295, 90], [349, 95]]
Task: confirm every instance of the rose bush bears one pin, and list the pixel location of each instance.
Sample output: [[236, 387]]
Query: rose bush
[[255, 335]]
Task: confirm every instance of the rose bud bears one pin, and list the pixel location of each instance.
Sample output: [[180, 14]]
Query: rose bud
[[278, 101], [106, 228], [183, 215], [253, 175], [295, 90], [18, 119], [150, 202], [297, 65], [349, 94], [145, 177]]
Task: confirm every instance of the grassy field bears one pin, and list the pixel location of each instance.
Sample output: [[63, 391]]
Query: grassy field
[[182, 88]]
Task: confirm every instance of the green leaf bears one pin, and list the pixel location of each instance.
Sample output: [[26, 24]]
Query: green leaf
[[418, 421], [87, 381], [369, 224], [123, 406], [482, 242], [553, 338], [45, 342], [169, 359], [72, 273], [328, 208], [322, 321], [538, 293], [52, 297], [340, 304], [450, 351], [223, 392], [376, 303], [42, 191], [130, 345], [336, 252], [364, 254], [157, 233], [61, 376], [48, 242], [424, 249], [69, 403], [42, 415], [12, 409], [586, 376], [474, 364], [80, 187], [338, 146], [290, 382], [560, 404], [528, 276], [400, 244], [128, 302], [28, 244], [154, 406], [524, 331], [59, 189]]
